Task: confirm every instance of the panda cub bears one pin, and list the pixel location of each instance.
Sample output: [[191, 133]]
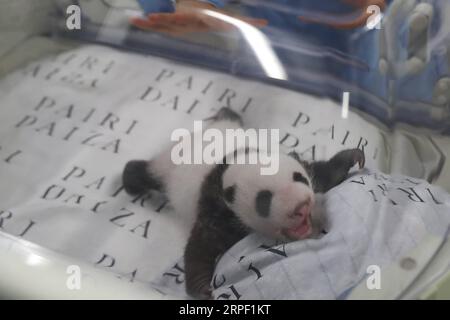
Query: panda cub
[[227, 201]]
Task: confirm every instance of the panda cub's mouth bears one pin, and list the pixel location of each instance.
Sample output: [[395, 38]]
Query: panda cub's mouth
[[303, 228], [301, 231]]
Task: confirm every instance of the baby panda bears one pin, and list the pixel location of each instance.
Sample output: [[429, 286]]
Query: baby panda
[[228, 200]]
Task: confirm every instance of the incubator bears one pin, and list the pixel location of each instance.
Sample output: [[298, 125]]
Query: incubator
[[87, 85]]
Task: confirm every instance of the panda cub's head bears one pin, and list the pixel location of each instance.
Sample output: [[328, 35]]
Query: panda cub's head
[[279, 205]]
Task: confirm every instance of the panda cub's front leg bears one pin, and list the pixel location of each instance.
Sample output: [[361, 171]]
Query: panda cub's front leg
[[328, 174]]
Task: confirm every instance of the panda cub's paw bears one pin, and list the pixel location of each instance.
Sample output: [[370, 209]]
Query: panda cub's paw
[[205, 293], [358, 158], [199, 287], [348, 158]]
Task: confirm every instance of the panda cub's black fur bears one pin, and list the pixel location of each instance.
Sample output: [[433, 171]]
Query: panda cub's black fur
[[230, 200]]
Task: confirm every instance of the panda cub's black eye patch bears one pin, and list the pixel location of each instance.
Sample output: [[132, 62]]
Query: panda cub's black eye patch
[[263, 201], [229, 193], [298, 177]]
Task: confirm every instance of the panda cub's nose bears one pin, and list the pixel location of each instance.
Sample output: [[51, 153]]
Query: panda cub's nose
[[303, 209]]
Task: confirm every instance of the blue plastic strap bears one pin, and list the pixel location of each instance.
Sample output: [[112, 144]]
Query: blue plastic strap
[[216, 3], [154, 6]]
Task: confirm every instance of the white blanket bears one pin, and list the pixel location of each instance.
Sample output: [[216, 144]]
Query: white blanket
[[70, 123]]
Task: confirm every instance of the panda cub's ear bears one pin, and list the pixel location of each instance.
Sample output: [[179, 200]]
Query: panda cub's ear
[[229, 193]]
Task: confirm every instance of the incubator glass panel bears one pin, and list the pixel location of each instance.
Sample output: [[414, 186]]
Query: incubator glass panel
[[250, 149]]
